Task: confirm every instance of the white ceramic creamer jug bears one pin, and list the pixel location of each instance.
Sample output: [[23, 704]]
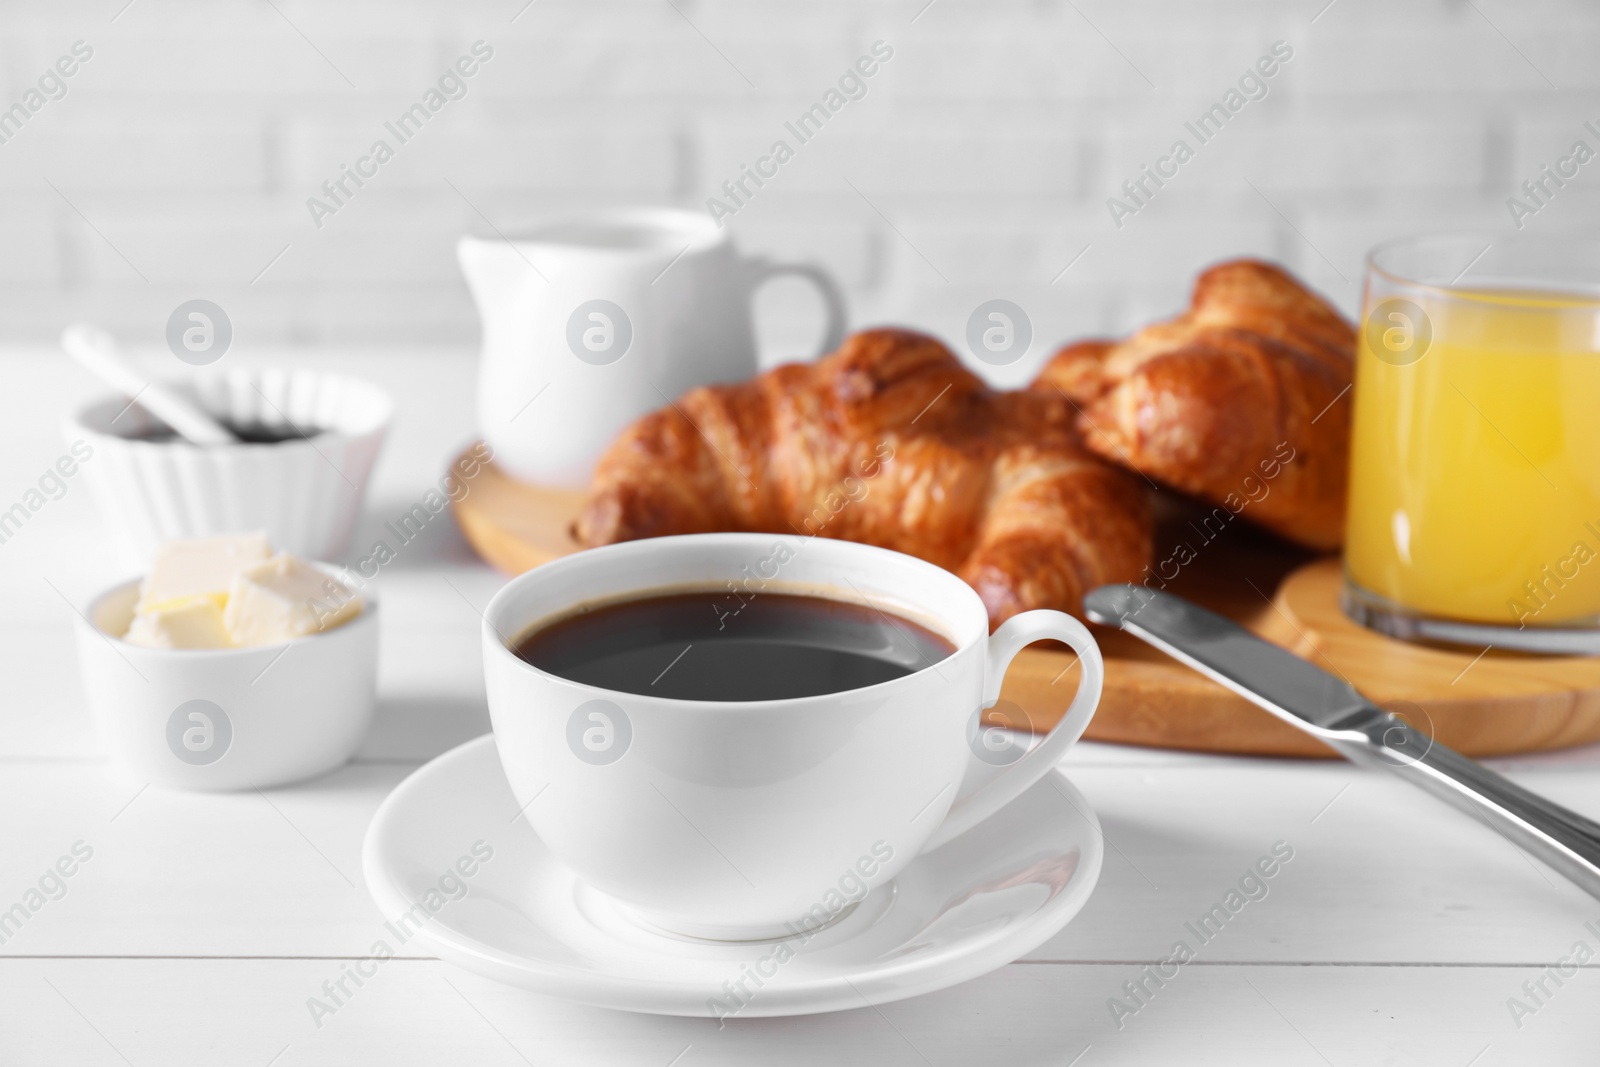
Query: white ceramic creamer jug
[[594, 320]]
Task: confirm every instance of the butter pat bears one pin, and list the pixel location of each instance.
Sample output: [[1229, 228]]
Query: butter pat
[[199, 567], [193, 623], [285, 598], [227, 592]]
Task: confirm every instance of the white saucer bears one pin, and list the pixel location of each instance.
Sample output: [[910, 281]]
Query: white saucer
[[965, 909]]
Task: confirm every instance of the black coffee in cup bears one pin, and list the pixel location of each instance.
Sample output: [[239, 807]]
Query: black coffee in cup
[[714, 646]]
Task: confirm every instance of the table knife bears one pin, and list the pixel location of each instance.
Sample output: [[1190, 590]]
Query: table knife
[[1330, 709]]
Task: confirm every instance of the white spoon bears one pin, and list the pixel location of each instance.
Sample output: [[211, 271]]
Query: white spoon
[[95, 350]]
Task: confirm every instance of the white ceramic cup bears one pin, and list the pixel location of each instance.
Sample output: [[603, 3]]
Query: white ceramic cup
[[748, 820], [590, 322]]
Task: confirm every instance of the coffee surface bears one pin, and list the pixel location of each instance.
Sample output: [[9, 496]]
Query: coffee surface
[[715, 646], [247, 433]]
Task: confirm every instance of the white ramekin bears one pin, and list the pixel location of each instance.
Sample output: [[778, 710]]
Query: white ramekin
[[227, 719], [306, 494]]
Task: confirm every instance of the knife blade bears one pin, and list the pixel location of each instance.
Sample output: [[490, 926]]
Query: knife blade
[[1331, 709]]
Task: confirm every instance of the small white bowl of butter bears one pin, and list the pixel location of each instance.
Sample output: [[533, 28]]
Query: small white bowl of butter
[[228, 667]]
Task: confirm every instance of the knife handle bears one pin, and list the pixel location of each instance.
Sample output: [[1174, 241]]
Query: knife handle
[[1562, 838]]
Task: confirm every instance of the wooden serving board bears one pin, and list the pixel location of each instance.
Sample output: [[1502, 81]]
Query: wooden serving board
[[1494, 704]]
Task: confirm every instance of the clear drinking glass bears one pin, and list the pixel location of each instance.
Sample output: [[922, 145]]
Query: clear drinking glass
[[1474, 511]]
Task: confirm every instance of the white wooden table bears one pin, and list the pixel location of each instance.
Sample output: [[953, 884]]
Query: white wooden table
[[202, 924]]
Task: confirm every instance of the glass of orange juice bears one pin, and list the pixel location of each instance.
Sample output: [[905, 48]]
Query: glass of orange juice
[[1474, 512]]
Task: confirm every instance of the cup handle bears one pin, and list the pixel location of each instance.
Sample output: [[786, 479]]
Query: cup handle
[[1012, 636], [764, 270]]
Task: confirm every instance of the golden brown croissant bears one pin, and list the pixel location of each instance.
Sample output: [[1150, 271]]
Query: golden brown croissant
[[889, 441], [1233, 401]]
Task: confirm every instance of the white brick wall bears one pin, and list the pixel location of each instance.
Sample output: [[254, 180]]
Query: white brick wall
[[991, 141]]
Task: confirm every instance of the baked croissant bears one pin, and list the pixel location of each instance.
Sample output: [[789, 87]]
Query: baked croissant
[[888, 441], [1234, 401]]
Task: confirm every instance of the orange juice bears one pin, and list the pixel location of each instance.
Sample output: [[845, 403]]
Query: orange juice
[[1475, 466]]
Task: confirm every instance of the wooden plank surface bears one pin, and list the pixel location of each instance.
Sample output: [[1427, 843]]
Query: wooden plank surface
[[180, 1012], [202, 924]]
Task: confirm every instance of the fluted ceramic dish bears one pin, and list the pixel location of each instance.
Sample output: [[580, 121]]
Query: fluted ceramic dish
[[305, 492]]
